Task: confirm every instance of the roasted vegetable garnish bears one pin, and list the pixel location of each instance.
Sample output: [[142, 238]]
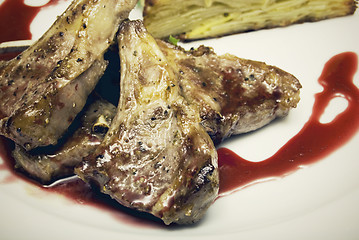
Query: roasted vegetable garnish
[[197, 19]]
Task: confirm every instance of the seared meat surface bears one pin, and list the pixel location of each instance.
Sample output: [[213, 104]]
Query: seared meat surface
[[156, 156], [44, 88], [202, 84], [233, 95], [61, 161]]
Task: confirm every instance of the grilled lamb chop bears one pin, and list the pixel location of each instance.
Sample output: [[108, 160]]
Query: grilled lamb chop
[[40, 90], [270, 92], [50, 166], [156, 156], [197, 19], [233, 95], [58, 163]]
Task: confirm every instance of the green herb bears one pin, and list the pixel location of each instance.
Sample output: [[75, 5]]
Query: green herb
[[141, 3], [173, 40]]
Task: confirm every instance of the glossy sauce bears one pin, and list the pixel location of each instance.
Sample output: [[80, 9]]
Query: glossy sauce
[[315, 141], [312, 143], [76, 191], [8, 164], [8, 55], [82, 193], [20, 16]]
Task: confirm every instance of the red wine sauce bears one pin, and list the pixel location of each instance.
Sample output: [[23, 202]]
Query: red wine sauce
[[15, 19], [77, 191], [315, 141], [8, 164], [8, 55], [82, 193]]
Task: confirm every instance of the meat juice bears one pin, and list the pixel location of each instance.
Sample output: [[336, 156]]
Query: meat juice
[[312, 143]]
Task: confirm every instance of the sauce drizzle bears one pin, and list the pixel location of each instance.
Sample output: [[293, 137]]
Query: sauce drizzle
[[315, 140], [20, 16]]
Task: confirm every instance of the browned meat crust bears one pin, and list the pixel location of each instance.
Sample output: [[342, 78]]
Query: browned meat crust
[[156, 157], [233, 95], [44, 88], [60, 161]]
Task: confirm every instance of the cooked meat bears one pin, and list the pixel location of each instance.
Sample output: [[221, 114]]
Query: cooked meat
[[233, 95], [223, 107], [156, 156], [223, 113], [44, 88], [60, 160], [196, 19]]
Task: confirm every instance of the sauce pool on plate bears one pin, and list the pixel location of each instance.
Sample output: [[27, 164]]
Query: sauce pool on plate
[[315, 141], [20, 16]]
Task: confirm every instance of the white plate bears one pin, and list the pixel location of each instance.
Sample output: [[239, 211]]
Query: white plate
[[317, 202]]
